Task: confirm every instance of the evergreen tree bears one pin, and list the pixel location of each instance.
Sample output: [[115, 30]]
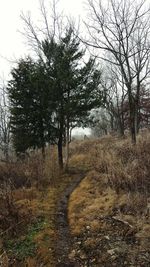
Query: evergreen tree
[[75, 84], [30, 108], [50, 95]]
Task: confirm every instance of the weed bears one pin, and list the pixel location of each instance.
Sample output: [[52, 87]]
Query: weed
[[25, 247]]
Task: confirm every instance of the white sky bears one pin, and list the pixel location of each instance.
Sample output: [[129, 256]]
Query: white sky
[[12, 43]]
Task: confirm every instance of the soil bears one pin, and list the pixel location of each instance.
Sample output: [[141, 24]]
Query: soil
[[64, 240]]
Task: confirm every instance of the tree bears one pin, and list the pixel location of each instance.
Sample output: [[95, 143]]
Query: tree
[[122, 29], [5, 136], [101, 122], [72, 83], [115, 95], [75, 84], [29, 106], [48, 96], [144, 110]]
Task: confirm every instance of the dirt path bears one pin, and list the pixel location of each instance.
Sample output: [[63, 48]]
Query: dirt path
[[64, 241]]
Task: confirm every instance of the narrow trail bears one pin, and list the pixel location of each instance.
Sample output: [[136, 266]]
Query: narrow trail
[[64, 241]]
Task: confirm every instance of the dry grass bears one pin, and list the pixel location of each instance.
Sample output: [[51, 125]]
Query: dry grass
[[88, 201], [88, 204], [117, 186], [21, 183], [118, 165], [125, 166], [30, 190]]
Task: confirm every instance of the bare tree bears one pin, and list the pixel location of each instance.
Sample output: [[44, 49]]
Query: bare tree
[[101, 122], [4, 123], [52, 25], [115, 95], [122, 29]]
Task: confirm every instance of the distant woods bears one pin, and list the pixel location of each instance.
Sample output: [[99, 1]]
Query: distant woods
[[99, 80]]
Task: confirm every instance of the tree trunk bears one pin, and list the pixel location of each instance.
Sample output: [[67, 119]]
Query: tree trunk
[[132, 106], [132, 121], [137, 121], [60, 151], [67, 144], [121, 126], [112, 122], [43, 151], [121, 130], [137, 113], [42, 141], [6, 150], [137, 104]]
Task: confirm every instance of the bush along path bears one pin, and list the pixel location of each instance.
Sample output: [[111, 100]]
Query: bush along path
[[64, 240]]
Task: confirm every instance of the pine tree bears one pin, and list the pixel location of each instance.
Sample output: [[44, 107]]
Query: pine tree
[[30, 108], [49, 96], [75, 84]]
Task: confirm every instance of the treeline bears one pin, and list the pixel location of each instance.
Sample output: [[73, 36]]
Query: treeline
[[54, 91], [120, 30], [114, 114]]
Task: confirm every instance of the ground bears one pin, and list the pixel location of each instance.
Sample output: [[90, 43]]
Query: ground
[[96, 214], [109, 211]]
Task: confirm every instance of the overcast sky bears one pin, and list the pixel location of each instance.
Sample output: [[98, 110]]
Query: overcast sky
[[12, 43]]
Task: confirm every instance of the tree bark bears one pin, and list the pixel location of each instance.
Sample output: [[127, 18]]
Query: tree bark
[[121, 129], [67, 144], [112, 122], [137, 108], [132, 119], [43, 151], [60, 151], [137, 121]]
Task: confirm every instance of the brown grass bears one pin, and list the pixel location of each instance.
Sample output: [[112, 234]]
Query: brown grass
[[118, 184], [30, 190], [88, 200], [125, 166]]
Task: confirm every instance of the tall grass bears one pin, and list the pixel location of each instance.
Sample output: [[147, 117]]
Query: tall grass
[[20, 183], [123, 167], [127, 166]]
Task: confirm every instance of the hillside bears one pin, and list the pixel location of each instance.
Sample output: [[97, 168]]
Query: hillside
[[108, 212]]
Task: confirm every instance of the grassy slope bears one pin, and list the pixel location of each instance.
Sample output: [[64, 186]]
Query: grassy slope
[[33, 244], [27, 219], [108, 217], [109, 211]]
